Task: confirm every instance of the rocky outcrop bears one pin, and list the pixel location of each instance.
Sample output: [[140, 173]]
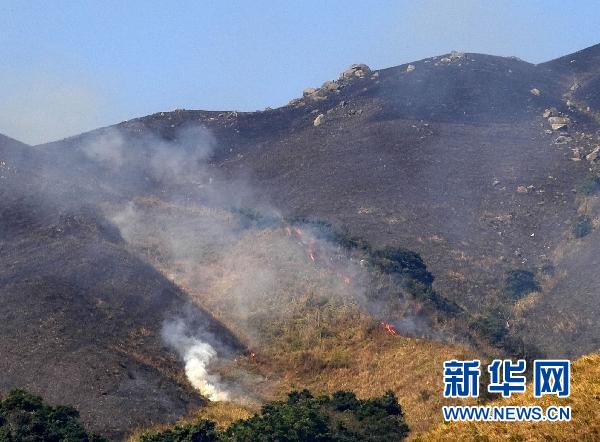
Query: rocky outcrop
[[557, 123], [593, 155], [309, 91], [355, 71], [319, 120]]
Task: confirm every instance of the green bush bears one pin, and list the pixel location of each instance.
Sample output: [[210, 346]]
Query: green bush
[[395, 260], [582, 227], [590, 185], [24, 417], [518, 283], [202, 431], [302, 417], [401, 261]]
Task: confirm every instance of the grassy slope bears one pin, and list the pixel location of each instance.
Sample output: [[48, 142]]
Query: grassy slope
[[584, 402], [307, 330], [376, 363], [409, 367]]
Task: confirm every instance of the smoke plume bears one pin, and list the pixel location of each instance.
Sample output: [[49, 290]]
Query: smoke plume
[[197, 356], [273, 282]]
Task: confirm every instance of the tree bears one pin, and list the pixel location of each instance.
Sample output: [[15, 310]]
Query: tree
[[341, 417], [24, 417], [520, 282]]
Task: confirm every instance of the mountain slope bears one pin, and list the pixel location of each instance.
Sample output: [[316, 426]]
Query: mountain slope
[[81, 317], [450, 157]]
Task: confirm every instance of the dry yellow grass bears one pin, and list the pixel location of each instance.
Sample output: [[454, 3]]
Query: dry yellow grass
[[584, 425], [222, 413], [304, 321], [412, 368], [358, 355]]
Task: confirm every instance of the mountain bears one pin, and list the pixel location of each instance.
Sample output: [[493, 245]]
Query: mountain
[[482, 165], [81, 316], [451, 157]]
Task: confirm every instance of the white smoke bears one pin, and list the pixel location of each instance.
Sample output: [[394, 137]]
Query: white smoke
[[107, 148], [197, 356]]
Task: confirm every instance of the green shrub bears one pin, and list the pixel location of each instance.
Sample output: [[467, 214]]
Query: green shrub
[[590, 185], [547, 268], [401, 261], [582, 227], [439, 302], [491, 324], [24, 417], [203, 431], [518, 283], [302, 417]]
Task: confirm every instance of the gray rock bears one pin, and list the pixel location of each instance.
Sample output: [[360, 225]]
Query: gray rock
[[562, 139], [309, 91], [319, 120], [593, 155], [356, 70], [557, 123], [330, 86]]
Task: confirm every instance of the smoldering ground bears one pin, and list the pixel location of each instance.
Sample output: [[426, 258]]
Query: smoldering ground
[[266, 278]]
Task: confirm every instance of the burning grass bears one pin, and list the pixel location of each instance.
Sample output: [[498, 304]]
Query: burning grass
[[314, 314]]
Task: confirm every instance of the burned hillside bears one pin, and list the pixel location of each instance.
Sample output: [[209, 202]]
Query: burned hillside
[[452, 199], [475, 162]]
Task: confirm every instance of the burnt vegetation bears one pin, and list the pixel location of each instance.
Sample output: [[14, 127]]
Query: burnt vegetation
[[450, 187], [518, 283]]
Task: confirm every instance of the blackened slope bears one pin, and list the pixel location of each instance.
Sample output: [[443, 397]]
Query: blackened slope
[[429, 159], [80, 320], [583, 61], [474, 88], [580, 72], [411, 158], [9, 143]]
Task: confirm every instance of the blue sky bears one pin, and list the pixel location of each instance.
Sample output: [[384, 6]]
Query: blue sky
[[71, 66]]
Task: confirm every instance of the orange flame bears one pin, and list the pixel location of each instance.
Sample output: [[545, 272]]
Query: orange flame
[[389, 328]]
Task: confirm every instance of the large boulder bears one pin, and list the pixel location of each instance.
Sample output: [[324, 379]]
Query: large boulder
[[330, 86], [355, 71], [593, 155], [319, 120], [309, 91], [557, 123]]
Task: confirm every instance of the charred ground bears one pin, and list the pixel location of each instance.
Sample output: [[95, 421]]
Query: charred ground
[[429, 157], [450, 156]]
